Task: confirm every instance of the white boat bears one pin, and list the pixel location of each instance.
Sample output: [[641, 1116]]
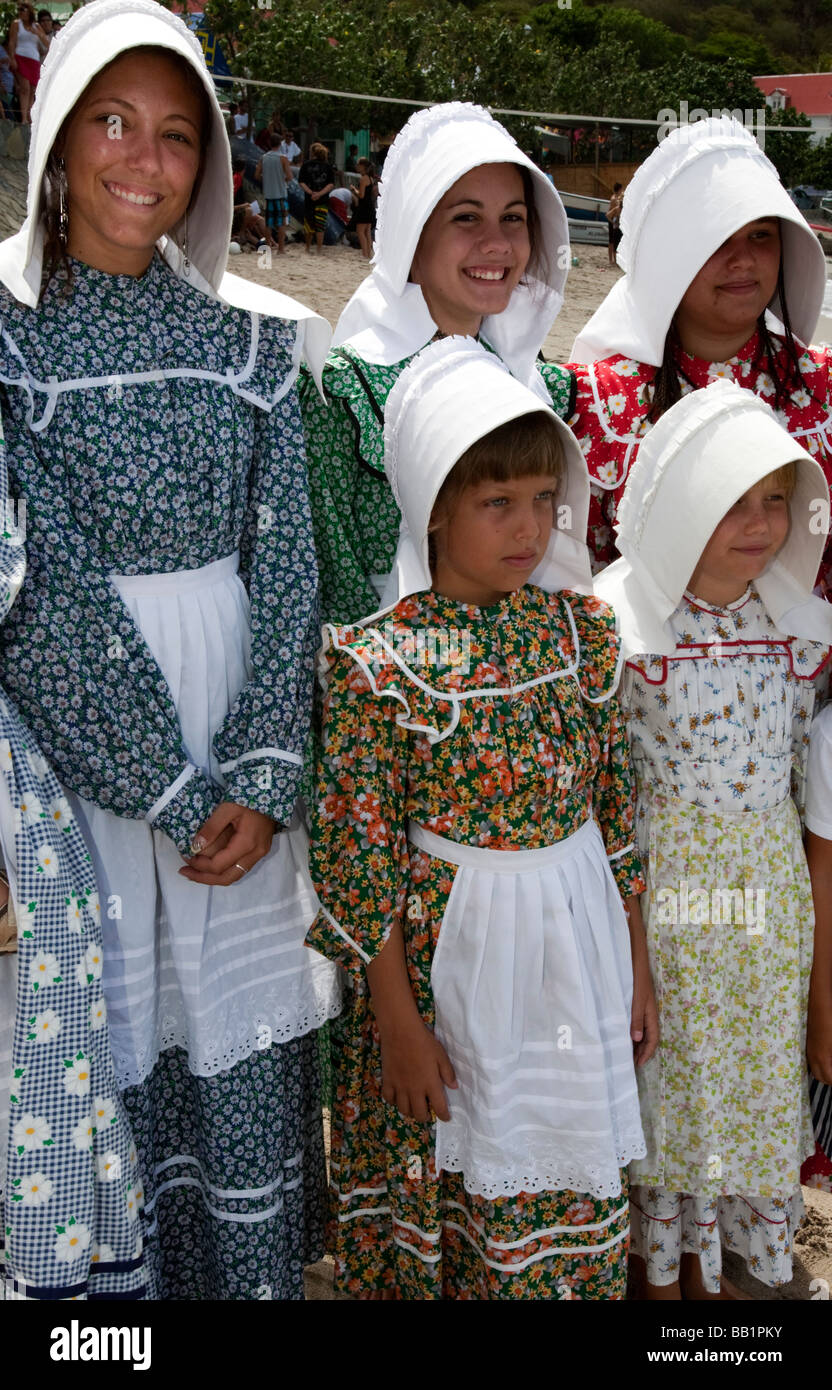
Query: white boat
[[587, 218]]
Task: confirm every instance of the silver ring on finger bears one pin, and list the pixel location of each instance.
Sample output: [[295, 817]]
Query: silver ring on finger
[[240, 867]]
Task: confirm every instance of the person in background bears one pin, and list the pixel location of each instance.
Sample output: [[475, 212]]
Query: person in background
[[27, 45], [317, 179], [274, 173], [272, 127], [241, 120], [350, 163], [6, 83], [289, 148], [46, 23], [614, 218], [254, 230], [365, 212]]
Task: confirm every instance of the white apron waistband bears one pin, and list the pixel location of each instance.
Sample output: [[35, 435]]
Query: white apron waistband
[[177, 581], [501, 861]]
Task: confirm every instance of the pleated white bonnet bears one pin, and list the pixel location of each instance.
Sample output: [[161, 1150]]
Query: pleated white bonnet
[[452, 394], [387, 318], [701, 456], [94, 36], [701, 185]]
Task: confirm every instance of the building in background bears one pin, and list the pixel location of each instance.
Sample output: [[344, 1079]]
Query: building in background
[[809, 92]]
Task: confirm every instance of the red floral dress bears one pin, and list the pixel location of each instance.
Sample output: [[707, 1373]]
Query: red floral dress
[[514, 772], [615, 395]]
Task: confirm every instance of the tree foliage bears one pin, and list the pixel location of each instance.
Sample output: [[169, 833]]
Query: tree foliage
[[600, 60]]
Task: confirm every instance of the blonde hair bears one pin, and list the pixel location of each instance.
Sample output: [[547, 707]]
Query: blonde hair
[[784, 478]]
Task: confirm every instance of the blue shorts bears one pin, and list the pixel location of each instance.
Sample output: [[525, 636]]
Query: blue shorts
[[277, 212]]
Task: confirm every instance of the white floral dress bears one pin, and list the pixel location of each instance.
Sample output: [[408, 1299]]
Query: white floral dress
[[719, 737]]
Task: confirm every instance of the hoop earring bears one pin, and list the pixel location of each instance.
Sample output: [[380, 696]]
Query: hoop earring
[[63, 217], [186, 264]]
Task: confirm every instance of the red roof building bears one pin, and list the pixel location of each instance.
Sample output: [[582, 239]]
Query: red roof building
[[810, 92]]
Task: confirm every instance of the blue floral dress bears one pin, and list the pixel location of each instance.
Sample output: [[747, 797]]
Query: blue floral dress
[[162, 651]]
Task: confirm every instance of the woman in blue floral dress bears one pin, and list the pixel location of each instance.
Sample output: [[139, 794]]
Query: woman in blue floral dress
[[162, 647]]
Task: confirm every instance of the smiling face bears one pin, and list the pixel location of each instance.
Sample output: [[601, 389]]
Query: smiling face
[[747, 538], [720, 308], [132, 151], [495, 537], [474, 248]]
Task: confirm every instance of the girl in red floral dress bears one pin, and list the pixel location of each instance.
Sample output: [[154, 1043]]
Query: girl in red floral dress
[[472, 845], [724, 279]]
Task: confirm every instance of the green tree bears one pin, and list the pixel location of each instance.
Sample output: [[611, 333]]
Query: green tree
[[8, 12], [791, 154], [723, 45]]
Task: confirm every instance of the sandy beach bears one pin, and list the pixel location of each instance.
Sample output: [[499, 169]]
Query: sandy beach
[[326, 282]]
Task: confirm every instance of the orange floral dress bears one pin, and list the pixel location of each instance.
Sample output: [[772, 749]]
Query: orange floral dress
[[406, 739]]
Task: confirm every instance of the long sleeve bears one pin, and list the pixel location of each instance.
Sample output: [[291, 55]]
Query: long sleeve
[[613, 790], [359, 843], [335, 476], [614, 798], [83, 678], [260, 745]]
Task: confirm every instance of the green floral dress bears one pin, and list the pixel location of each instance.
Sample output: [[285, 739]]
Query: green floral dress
[[520, 771], [354, 515]]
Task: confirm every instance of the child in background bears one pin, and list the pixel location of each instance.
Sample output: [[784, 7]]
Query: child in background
[[817, 1172], [721, 530], [472, 844]]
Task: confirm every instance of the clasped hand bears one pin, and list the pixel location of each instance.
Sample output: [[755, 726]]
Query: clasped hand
[[232, 839]]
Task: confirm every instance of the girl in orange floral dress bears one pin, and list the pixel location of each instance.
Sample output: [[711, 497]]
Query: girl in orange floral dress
[[472, 845]]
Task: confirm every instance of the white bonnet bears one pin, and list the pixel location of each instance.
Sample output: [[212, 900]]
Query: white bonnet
[[704, 453], [452, 394], [387, 318], [701, 185]]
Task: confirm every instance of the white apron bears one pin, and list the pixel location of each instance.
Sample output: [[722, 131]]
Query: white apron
[[532, 982], [218, 971]]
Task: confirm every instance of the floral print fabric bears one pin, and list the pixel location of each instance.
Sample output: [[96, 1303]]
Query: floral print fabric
[[760, 1230], [719, 746], [355, 515], [515, 770], [70, 1192], [152, 429], [614, 397], [236, 1187]]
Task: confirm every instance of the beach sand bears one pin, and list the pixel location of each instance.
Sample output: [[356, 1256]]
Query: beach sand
[[326, 282]]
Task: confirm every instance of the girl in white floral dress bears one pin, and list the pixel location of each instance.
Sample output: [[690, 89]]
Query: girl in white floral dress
[[720, 531]]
